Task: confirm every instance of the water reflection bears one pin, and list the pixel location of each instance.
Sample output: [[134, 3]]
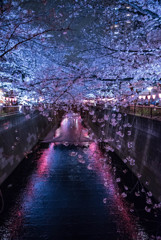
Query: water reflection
[[16, 217], [71, 130], [127, 223], [71, 194]]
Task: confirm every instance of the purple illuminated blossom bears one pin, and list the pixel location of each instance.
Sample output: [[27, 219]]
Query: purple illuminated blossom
[[77, 52]]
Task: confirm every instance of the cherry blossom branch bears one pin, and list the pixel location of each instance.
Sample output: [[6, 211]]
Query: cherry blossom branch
[[28, 39], [141, 10]]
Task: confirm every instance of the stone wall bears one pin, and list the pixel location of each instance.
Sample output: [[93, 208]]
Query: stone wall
[[137, 141], [18, 135]]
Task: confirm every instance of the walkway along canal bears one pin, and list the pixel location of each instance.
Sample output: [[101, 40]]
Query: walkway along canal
[[67, 189]]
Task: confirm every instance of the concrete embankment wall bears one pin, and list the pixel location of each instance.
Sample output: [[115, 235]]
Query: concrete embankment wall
[[137, 141], [18, 135]]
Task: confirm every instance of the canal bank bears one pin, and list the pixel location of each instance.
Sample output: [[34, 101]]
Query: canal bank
[[136, 140], [68, 190], [19, 133]]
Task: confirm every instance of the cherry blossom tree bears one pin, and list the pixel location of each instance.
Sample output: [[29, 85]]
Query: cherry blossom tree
[[45, 46], [65, 51]]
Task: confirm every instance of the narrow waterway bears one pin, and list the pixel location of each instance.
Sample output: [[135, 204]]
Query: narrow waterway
[[69, 192]]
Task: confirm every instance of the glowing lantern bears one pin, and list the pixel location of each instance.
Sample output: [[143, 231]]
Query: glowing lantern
[[153, 96], [159, 95], [1, 96], [149, 96]]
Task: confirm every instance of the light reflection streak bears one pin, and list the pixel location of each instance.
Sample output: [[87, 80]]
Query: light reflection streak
[[71, 130], [16, 219], [44, 161], [57, 133], [42, 171], [119, 206]]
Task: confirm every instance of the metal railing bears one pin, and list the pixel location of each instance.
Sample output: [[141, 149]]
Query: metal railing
[[15, 119], [144, 111], [153, 112], [8, 110]]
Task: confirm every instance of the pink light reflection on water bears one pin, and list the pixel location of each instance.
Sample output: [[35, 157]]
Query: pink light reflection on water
[[44, 161], [119, 207], [16, 220], [71, 130], [39, 176]]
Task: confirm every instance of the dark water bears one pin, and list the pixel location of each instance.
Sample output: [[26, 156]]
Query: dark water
[[68, 191]]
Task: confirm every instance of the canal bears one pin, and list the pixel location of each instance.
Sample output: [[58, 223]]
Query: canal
[[68, 189]]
